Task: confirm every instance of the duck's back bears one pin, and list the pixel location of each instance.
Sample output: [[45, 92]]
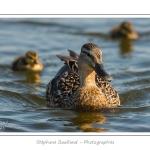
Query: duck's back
[[19, 64]]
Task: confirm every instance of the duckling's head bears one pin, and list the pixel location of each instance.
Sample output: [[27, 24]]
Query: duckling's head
[[31, 57], [91, 59], [127, 30]]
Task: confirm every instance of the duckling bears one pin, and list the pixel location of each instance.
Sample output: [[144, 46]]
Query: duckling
[[29, 62], [82, 83], [124, 30]]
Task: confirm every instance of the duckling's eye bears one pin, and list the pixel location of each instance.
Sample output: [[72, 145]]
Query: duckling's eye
[[30, 57]]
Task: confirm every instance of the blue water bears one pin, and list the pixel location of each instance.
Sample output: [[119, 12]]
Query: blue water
[[22, 97]]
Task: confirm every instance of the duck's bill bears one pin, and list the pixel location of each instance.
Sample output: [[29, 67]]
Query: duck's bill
[[133, 35], [99, 69]]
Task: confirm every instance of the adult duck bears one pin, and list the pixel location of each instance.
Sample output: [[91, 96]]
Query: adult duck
[[82, 83]]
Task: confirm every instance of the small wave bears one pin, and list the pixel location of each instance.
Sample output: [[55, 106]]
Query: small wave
[[94, 34], [15, 100], [37, 23], [135, 98], [144, 34]]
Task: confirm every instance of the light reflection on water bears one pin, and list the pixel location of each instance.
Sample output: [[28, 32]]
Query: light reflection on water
[[22, 95]]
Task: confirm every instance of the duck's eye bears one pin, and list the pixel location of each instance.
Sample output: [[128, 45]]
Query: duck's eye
[[88, 54]]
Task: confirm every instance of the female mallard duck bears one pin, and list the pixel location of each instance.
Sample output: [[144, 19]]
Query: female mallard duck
[[124, 30], [29, 61], [82, 83]]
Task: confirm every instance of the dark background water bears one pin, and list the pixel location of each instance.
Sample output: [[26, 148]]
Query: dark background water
[[22, 96]]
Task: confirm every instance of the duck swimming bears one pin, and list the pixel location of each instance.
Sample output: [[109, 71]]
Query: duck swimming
[[82, 83], [124, 30], [29, 62]]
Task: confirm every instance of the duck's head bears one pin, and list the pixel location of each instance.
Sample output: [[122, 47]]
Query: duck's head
[[127, 30], [91, 59], [31, 57]]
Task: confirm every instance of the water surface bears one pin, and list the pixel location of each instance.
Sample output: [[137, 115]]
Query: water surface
[[22, 95]]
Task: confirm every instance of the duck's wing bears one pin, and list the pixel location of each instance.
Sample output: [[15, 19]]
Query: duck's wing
[[71, 61], [65, 80], [60, 90], [73, 54]]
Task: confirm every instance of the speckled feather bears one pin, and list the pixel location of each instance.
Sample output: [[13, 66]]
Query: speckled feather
[[65, 85]]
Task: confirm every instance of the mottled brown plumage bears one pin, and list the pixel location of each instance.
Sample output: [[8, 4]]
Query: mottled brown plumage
[[83, 85], [29, 61]]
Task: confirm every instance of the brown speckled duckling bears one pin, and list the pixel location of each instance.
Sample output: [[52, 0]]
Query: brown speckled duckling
[[82, 83], [29, 62], [124, 30]]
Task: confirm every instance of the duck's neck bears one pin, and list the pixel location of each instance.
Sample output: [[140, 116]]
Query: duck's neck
[[87, 77]]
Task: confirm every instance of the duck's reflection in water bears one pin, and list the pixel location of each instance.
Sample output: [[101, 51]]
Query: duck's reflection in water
[[85, 120], [126, 46], [32, 77]]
